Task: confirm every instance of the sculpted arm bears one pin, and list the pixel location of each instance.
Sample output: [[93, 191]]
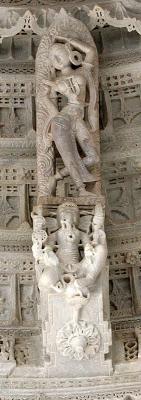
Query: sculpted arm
[[94, 261], [54, 86], [84, 238], [90, 51], [99, 240], [100, 255], [52, 239]]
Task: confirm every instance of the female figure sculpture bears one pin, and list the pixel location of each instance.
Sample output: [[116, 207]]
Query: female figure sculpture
[[69, 74], [68, 126]]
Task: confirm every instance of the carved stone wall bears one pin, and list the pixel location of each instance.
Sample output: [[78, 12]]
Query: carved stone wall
[[120, 117]]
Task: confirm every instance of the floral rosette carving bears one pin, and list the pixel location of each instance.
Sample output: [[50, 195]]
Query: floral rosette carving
[[78, 340]]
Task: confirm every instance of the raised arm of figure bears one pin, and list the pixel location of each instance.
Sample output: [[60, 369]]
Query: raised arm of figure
[[90, 51], [94, 261], [52, 239], [84, 238]]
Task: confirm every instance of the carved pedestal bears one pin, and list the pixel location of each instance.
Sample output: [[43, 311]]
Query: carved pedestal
[[65, 337]]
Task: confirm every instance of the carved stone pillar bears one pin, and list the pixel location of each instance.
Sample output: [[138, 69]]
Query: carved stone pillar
[[69, 242]]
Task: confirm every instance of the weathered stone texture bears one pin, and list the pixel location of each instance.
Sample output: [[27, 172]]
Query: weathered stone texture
[[22, 350]]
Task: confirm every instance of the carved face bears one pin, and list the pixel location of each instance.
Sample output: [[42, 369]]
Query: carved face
[[68, 217], [59, 56], [68, 214]]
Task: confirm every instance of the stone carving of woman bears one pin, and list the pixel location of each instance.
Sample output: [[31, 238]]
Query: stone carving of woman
[[69, 74]]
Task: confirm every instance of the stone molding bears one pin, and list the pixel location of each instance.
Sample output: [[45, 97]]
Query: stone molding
[[14, 21]]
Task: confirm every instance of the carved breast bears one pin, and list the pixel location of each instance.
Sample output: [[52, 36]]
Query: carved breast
[[72, 86]]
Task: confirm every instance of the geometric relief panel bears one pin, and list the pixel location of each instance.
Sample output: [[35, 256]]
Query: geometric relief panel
[[17, 195], [136, 288], [18, 296], [122, 100], [123, 193], [20, 48], [126, 106], [9, 208], [137, 195], [128, 347], [121, 261], [6, 349], [27, 307], [120, 298], [27, 299], [5, 294], [131, 348], [16, 111], [32, 196], [27, 351], [118, 199], [125, 281], [13, 123]]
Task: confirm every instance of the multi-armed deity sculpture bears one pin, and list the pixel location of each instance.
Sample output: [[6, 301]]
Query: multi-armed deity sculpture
[[69, 261], [69, 242]]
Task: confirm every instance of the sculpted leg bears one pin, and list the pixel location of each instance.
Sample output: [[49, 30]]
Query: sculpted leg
[[86, 143], [61, 133], [66, 145]]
